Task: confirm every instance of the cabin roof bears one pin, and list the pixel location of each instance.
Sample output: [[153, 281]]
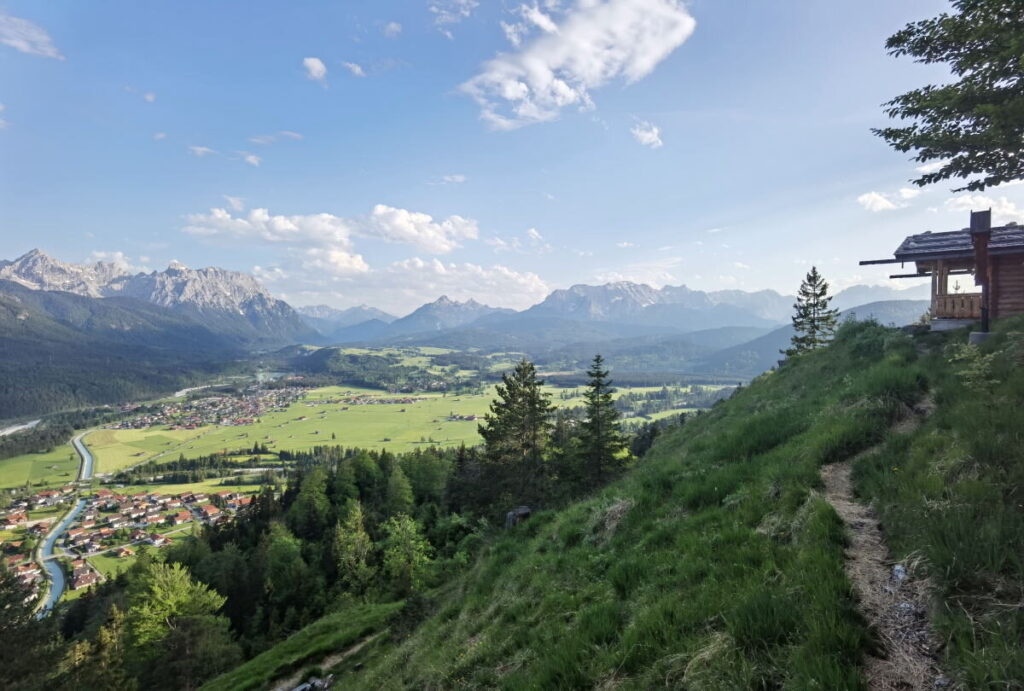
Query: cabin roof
[[1006, 239]]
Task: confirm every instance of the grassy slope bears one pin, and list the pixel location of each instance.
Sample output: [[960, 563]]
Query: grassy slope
[[332, 633], [712, 565], [716, 565]]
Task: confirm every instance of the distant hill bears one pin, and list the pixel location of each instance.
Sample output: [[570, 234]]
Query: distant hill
[[331, 322], [763, 353], [62, 350], [229, 303]]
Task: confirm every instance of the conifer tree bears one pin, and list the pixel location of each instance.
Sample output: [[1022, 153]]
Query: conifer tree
[[813, 320], [602, 439], [399, 497], [517, 431], [352, 548]]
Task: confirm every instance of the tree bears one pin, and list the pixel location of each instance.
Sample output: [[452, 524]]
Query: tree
[[602, 438], [351, 548], [407, 554], [813, 321], [310, 514], [399, 496], [974, 126], [25, 641], [516, 431]]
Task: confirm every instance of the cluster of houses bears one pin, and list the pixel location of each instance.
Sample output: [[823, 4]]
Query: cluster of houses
[[107, 515], [15, 515], [21, 564], [243, 409], [462, 418]]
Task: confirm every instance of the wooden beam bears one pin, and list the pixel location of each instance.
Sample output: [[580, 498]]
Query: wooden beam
[[951, 272], [866, 262]]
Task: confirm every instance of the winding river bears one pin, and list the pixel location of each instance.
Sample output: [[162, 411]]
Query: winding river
[[57, 580]]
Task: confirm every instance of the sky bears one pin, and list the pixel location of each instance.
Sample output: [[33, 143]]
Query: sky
[[387, 152]]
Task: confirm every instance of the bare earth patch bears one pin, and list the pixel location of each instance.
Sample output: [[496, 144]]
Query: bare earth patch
[[893, 601], [325, 664]]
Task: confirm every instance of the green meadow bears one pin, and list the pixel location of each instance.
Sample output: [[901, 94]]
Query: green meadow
[[55, 468]]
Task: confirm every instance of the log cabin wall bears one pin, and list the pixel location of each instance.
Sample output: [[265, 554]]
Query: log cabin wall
[[1008, 286]]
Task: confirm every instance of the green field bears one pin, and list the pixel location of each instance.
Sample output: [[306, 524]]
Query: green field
[[53, 469]]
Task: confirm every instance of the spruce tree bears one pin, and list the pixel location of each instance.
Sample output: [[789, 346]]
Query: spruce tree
[[813, 320], [602, 439], [516, 433], [399, 493]]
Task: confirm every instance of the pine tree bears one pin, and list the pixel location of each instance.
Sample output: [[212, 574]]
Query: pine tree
[[399, 497], [603, 441], [813, 320], [351, 548], [517, 431]]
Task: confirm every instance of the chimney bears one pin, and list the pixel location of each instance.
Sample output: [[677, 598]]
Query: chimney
[[981, 222]]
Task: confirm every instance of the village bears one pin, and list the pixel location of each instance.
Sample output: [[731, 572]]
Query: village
[[224, 410], [109, 525]]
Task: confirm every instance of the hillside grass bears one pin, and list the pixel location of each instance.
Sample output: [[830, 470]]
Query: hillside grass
[[951, 499], [714, 564], [53, 468], [333, 633]]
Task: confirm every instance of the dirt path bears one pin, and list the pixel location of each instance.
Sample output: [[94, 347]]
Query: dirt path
[[891, 599], [325, 664]]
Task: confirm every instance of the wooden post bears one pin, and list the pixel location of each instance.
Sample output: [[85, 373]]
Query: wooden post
[[981, 231]]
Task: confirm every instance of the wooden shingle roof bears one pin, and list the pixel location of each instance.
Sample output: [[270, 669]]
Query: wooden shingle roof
[[923, 246]]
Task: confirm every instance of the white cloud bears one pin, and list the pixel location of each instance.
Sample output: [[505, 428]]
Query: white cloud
[[656, 272], [411, 282], [274, 274], [647, 134], [3, 123], [875, 202], [271, 138], [160, 135], [449, 12], [118, 259], [24, 36], [932, 167], [741, 265], [419, 229], [250, 158], [1003, 210], [712, 231], [201, 151], [909, 192], [592, 44], [354, 68], [315, 69], [330, 232], [453, 179], [624, 245], [149, 97], [534, 235], [392, 29], [236, 203], [534, 243]]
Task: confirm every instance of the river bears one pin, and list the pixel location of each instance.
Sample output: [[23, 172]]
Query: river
[[57, 580]]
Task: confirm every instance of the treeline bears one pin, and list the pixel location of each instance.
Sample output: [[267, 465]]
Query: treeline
[[376, 371], [189, 470], [350, 526], [54, 430]]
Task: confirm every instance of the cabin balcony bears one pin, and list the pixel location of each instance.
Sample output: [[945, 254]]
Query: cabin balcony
[[960, 306]]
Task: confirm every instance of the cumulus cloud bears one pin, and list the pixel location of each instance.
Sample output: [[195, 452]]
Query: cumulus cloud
[[875, 202], [591, 44], [236, 203], [410, 282], [315, 69], [330, 232], [532, 243], [392, 29], [355, 68], [1003, 210], [201, 151], [26, 37], [419, 229], [118, 259], [3, 123], [909, 192], [647, 134]]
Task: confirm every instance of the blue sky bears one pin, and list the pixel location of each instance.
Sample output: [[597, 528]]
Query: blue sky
[[388, 152]]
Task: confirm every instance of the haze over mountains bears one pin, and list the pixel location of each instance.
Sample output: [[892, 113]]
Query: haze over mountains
[[60, 319]]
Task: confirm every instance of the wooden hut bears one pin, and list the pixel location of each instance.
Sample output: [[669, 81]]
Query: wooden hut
[[991, 261]]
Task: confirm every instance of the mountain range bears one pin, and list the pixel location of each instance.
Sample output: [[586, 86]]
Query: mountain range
[[231, 304]]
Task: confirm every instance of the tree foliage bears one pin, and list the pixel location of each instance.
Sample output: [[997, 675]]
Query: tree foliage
[[813, 320], [972, 128], [602, 440], [407, 554]]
